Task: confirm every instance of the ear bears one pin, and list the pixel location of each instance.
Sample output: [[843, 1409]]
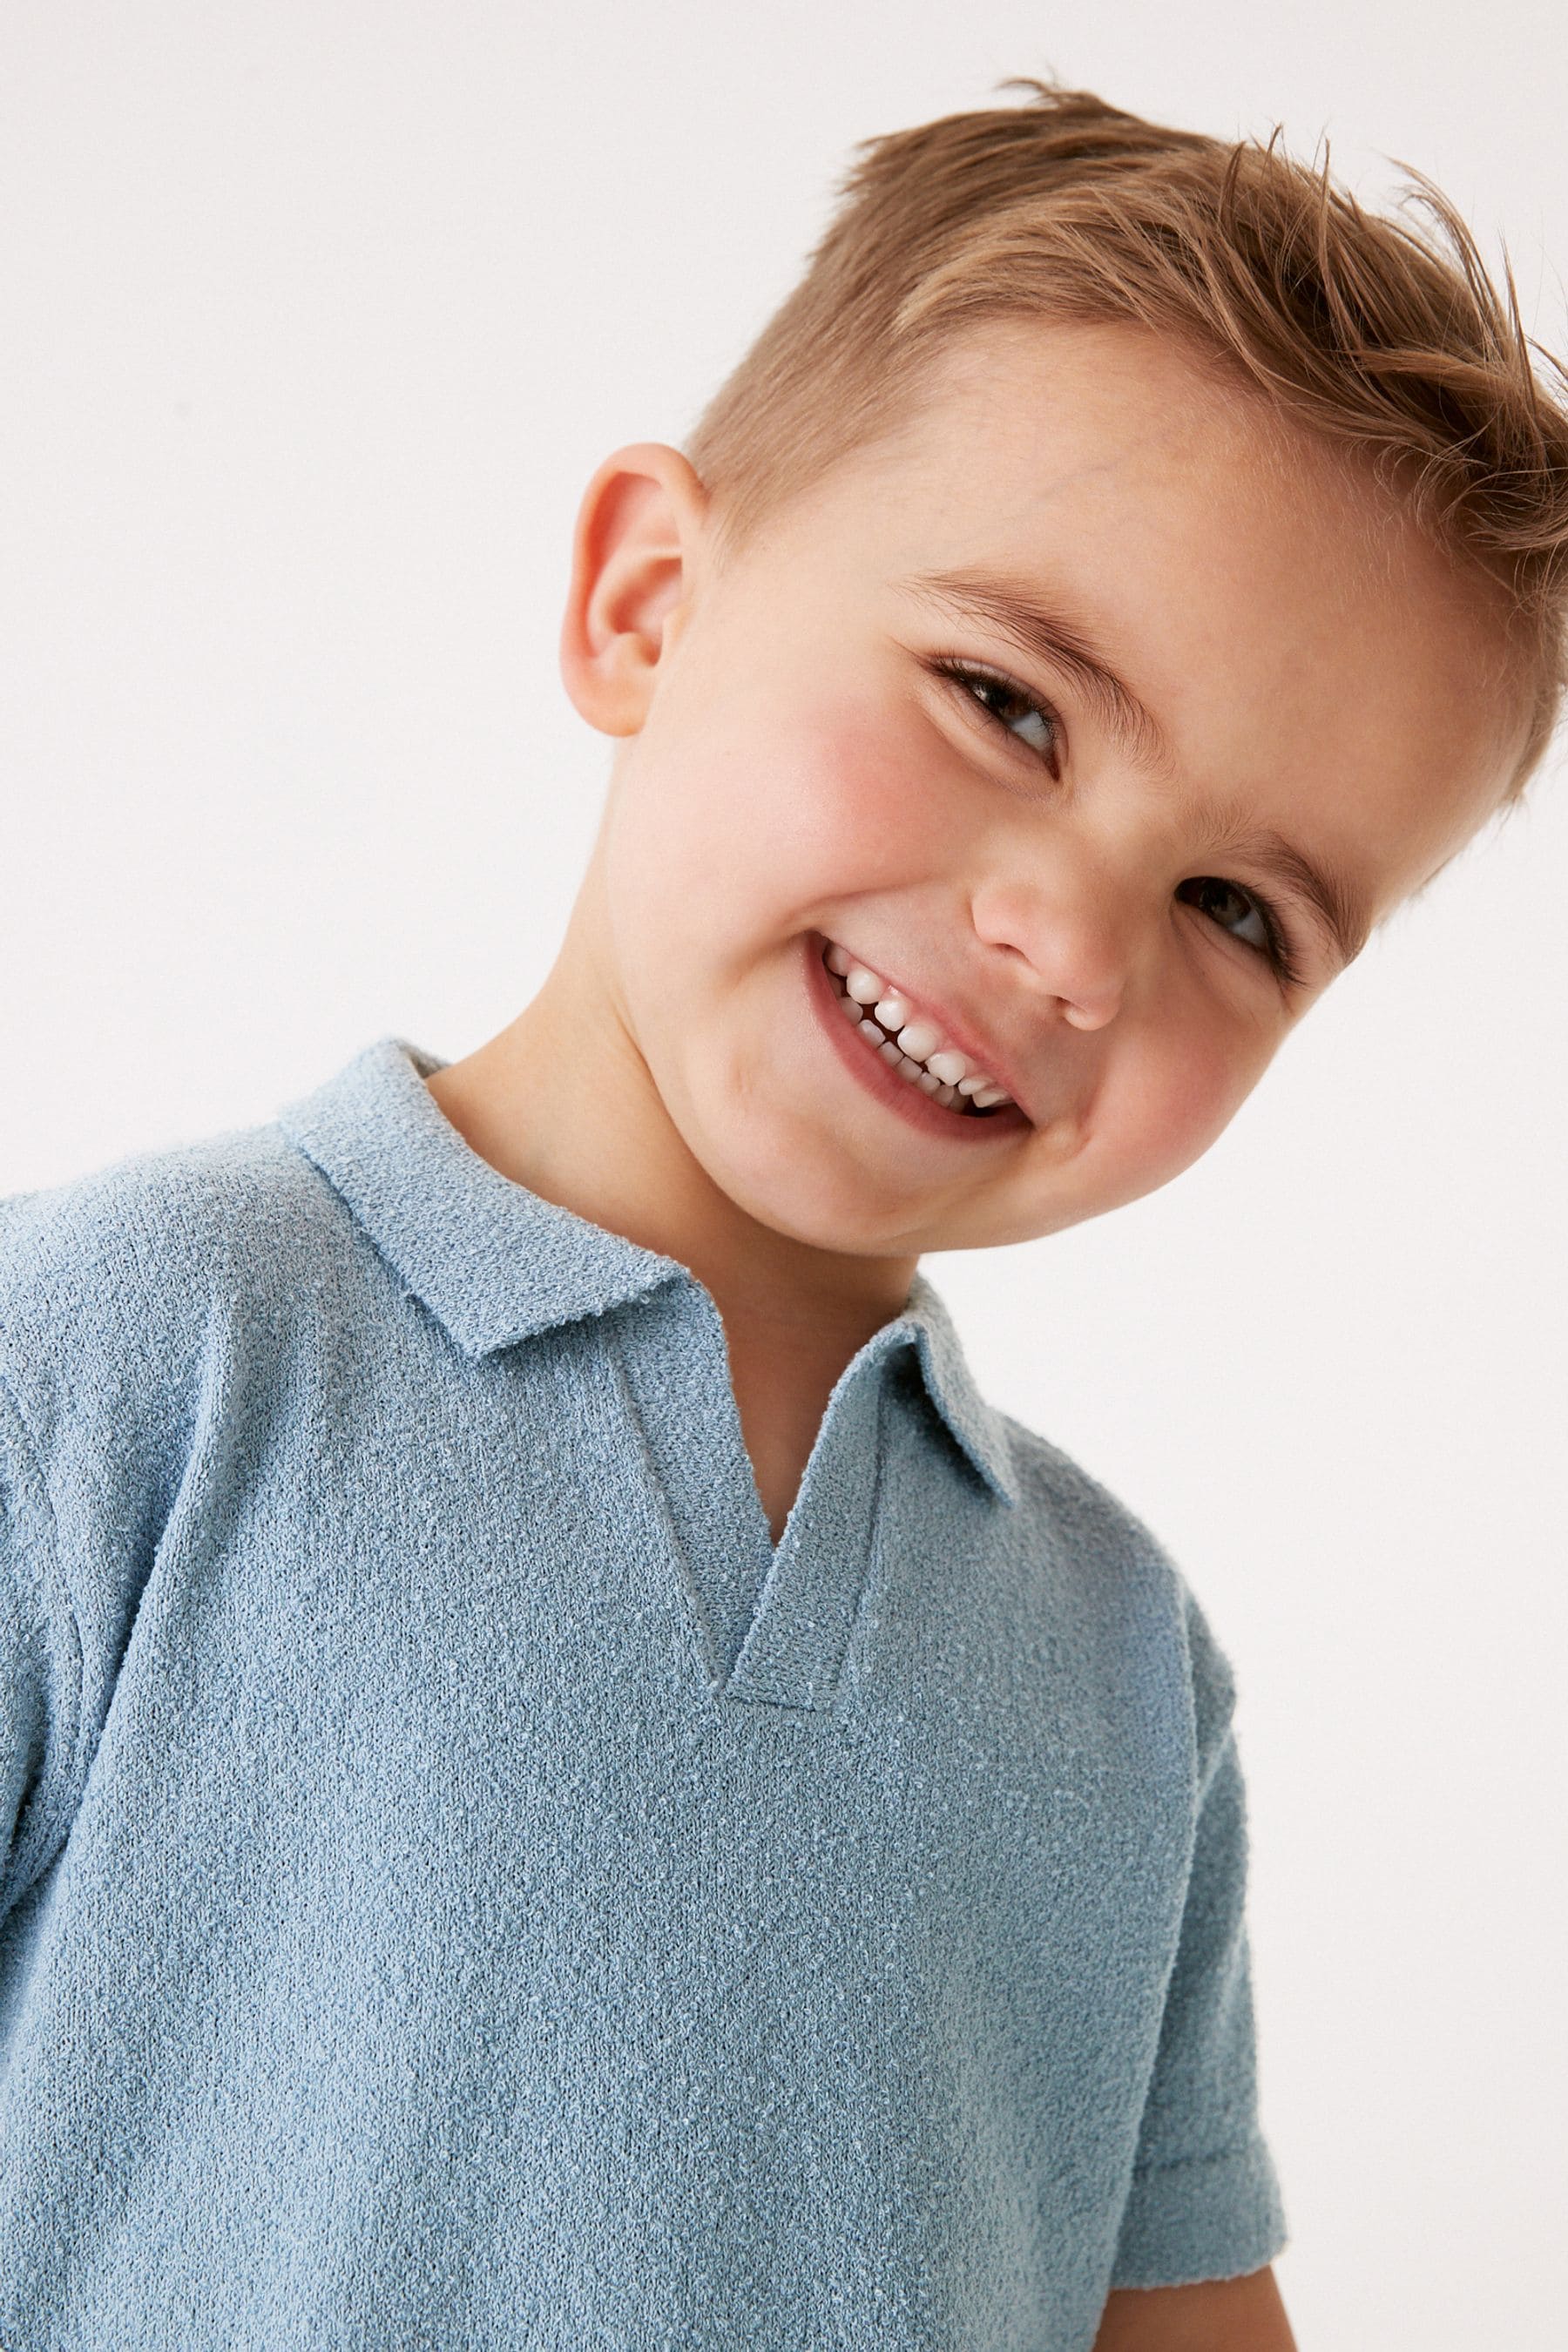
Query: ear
[[633, 557]]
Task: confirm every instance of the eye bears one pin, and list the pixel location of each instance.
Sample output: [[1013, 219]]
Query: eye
[[1246, 916], [1030, 722]]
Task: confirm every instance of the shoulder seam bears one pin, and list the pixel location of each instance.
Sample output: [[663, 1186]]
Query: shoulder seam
[[52, 1592]]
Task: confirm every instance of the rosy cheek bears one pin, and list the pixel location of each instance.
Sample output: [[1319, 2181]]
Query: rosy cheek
[[1223, 1083], [1188, 1094], [872, 770]]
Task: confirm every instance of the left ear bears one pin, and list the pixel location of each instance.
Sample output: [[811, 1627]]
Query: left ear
[[638, 530]]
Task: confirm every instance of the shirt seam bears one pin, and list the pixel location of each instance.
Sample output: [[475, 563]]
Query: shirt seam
[[1243, 2147], [698, 1634], [52, 1594], [847, 1682]]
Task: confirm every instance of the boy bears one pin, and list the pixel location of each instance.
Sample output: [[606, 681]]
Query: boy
[[568, 1779]]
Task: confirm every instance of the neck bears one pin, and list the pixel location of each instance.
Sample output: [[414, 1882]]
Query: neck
[[562, 1101]]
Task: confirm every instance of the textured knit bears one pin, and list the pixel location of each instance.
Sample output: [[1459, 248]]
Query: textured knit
[[461, 1887]]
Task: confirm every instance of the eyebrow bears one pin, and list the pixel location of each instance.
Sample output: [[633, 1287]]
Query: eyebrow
[[1015, 612], [1340, 914]]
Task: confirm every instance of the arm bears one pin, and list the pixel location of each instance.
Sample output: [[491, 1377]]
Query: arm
[[1239, 2315], [1203, 2203]]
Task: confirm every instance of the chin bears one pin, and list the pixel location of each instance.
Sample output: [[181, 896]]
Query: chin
[[782, 1187]]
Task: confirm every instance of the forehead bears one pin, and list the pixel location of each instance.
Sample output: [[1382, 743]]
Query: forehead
[[1311, 659]]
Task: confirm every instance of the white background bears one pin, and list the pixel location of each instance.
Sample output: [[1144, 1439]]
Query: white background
[[314, 320]]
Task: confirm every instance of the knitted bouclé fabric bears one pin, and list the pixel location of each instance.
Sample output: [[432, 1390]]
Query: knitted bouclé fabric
[[461, 1887]]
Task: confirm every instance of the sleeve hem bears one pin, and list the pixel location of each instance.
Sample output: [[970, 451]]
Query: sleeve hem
[[1212, 2217]]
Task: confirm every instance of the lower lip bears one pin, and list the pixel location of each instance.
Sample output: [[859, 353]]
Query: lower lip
[[901, 1095]]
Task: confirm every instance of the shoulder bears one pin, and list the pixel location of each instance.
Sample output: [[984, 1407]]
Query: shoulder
[[113, 1283], [1110, 1567], [149, 1234], [128, 1298]]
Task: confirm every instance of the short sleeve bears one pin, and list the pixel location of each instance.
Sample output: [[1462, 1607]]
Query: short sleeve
[[40, 1665], [1204, 2202]]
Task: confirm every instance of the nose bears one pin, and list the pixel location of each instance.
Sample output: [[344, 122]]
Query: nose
[[1070, 930]]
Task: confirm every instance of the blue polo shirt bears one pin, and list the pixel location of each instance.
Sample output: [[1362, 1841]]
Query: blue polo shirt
[[461, 1885]]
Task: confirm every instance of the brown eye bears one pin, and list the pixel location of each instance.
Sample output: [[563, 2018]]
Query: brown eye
[[1031, 723], [1245, 917], [1229, 907]]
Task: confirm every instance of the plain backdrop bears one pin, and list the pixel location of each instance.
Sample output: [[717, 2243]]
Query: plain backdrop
[[314, 320]]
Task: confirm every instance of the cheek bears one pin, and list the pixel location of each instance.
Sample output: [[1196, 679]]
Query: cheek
[[1171, 1099], [747, 830], [848, 780], [879, 769]]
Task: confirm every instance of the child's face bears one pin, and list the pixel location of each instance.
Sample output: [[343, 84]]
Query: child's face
[[1072, 889]]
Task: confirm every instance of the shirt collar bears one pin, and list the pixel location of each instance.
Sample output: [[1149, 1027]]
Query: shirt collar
[[496, 1263]]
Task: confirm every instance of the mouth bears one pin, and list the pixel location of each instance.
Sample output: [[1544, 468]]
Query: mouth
[[901, 1055]]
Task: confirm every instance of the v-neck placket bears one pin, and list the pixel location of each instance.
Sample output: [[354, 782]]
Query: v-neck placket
[[774, 1620], [500, 1267]]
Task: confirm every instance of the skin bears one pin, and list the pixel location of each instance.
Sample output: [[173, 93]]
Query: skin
[[789, 768]]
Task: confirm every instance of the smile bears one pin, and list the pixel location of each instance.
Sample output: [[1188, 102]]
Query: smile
[[911, 1046]]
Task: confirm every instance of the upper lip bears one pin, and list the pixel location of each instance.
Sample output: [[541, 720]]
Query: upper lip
[[956, 1029]]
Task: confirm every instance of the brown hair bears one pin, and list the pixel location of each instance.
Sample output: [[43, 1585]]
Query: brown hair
[[1385, 337]]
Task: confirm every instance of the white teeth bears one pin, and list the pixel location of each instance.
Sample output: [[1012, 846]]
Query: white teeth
[[919, 1040], [922, 1052]]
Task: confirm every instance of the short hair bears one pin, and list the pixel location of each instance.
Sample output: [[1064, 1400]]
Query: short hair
[[1383, 335]]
